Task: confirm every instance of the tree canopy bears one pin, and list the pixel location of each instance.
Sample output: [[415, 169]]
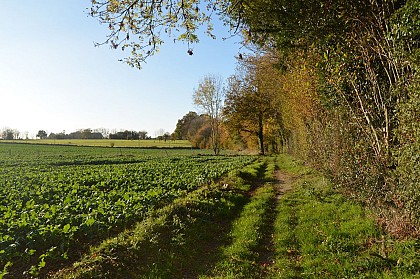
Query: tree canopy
[[141, 26], [251, 98], [209, 97], [187, 126]]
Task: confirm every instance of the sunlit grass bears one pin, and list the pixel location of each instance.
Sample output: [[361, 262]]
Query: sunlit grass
[[241, 256], [319, 233]]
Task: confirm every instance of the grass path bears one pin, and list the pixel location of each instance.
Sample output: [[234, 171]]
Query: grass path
[[282, 183], [251, 252]]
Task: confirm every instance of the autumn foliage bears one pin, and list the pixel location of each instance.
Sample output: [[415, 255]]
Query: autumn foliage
[[347, 103]]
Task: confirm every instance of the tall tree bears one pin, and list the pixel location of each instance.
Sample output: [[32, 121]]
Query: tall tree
[[143, 135], [8, 134], [41, 134], [183, 125], [251, 98], [209, 97]]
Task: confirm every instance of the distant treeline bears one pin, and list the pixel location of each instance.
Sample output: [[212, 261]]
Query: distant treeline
[[129, 135], [13, 134], [84, 134]]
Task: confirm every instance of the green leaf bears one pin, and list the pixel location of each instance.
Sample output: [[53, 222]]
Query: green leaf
[[66, 228], [89, 222], [41, 263]]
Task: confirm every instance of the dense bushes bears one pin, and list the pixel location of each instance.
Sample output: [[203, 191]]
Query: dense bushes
[[407, 152]]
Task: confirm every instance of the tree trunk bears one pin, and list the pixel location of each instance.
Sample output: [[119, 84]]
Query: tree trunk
[[261, 134], [215, 136]]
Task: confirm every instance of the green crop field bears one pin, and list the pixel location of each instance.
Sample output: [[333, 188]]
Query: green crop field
[[152, 143], [53, 197]]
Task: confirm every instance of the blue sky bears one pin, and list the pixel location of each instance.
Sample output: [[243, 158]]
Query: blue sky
[[53, 78]]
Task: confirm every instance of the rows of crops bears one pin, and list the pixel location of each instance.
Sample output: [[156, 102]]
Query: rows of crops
[[53, 198]]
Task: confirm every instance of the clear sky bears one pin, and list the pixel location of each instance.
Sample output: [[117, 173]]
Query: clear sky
[[53, 78]]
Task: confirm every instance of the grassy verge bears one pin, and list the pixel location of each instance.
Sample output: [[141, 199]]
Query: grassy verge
[[320, 234], [271, 167], [292, 166]]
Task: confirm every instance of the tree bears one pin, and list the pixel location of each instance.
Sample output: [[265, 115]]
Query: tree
[[202, 138], [16, 134], [125, 135], [251, 98], [195, 126], [141, 25], [103, 131], [209, 97], [189, 126], [166, 136], [41, 134], [86, 133], [143, 135], [183, 125], [8, 134]]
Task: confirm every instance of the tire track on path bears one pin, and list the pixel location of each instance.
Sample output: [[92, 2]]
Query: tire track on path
[[282, 184]]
